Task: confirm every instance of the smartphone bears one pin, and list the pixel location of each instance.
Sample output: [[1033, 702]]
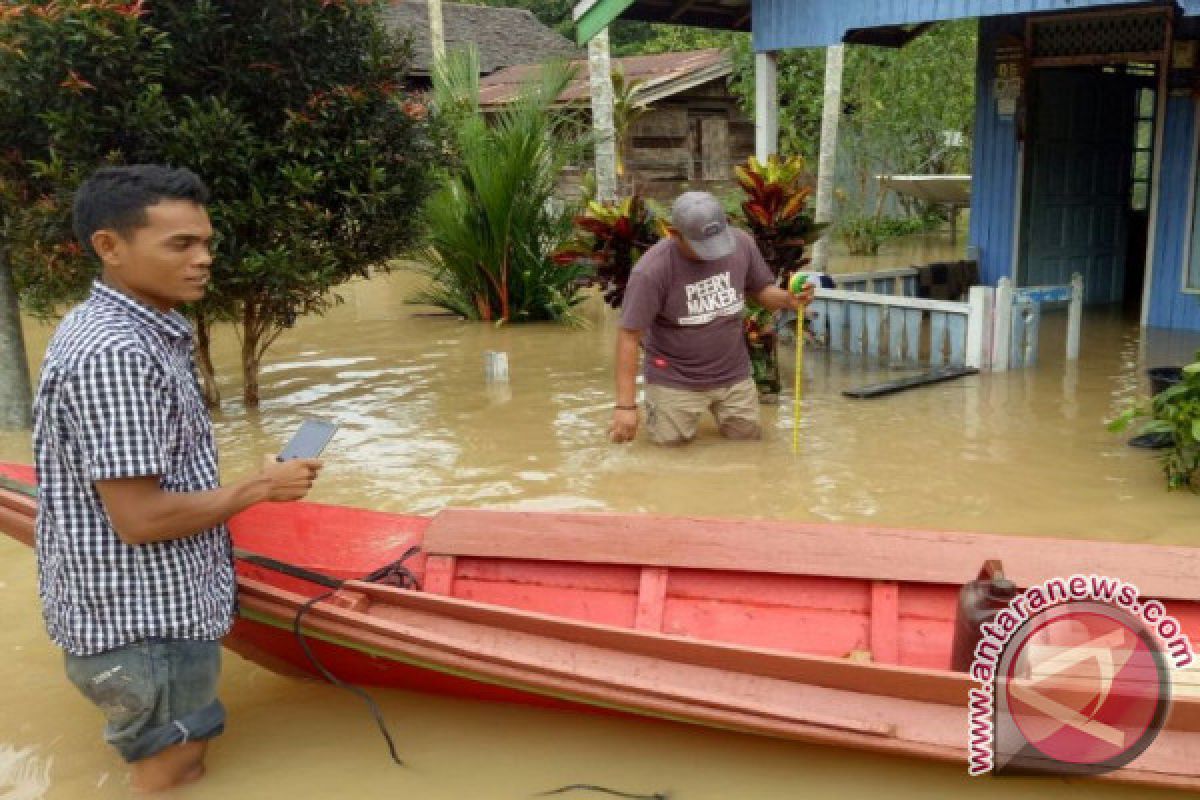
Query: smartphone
[[309, 441]]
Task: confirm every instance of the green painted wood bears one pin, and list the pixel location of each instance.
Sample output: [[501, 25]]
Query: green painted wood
[[598, 17]]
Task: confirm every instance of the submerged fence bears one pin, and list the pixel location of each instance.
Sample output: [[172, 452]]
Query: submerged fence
[[995, 329]]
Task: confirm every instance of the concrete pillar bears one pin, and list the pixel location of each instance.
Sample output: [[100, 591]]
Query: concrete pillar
[[600, 80], [831, 112], [766, 105]]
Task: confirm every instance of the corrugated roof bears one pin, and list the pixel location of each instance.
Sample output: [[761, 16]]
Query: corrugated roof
[[503, 36], [660, 76]]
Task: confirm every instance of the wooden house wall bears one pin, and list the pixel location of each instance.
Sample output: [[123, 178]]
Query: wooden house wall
[[691, 139]]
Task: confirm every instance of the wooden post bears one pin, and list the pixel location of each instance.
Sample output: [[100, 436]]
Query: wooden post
[[600, 80], [1002, 325], [437, 30], [766, 105], [831, 112], [1074, 317], [16, 411], [979, 325]]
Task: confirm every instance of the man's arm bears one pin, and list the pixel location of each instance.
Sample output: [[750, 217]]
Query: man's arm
[[773, 298], [141, 512], [625, 417]]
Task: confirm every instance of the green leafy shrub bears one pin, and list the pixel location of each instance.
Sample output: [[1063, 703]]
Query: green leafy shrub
[[861, 233], [1174, 412], [290, 110]]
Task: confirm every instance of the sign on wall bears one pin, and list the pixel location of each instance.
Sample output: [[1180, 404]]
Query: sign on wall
[[1009, 80]]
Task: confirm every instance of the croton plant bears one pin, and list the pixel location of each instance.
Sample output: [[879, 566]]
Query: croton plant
[[777, 211], [611, 237]]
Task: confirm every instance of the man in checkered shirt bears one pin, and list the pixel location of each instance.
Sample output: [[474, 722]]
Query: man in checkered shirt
[[135, 567]]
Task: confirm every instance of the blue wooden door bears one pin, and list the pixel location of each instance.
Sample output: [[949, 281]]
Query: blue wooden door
[[1079, 148]]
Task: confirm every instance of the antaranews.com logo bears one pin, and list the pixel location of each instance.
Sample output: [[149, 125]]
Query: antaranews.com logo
[[1074, 679]]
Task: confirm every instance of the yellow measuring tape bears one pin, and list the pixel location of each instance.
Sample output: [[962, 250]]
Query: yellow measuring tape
[[796, 286]]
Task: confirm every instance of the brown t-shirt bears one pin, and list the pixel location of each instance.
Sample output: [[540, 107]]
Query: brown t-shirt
[[690, 313]]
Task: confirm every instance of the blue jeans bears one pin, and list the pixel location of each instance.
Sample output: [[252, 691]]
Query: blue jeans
[[154, 694]]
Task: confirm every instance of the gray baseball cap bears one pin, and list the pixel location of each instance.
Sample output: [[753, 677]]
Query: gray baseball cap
[[700, 220]]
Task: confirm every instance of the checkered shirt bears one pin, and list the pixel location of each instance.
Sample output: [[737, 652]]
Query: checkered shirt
[[118, 398]]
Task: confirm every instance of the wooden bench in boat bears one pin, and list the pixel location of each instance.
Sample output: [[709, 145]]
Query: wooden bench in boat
[[797, 548], [904, 577]]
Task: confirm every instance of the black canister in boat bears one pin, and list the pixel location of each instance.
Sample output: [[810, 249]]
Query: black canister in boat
[[978, 603]]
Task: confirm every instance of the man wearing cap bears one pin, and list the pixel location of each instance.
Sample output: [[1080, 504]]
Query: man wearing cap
[[684, 305]]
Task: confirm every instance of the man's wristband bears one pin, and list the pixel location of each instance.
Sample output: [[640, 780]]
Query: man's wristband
[[626, 408]]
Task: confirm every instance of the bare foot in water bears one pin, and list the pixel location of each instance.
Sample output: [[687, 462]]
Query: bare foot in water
[[176, 766]]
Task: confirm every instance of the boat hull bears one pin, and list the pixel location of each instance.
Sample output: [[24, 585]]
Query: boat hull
[[824, 634]]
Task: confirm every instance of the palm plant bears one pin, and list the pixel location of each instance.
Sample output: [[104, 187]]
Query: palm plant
[[494, 225]]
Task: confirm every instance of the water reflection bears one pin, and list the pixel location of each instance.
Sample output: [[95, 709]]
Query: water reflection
[[24, 775], [1021, 452]]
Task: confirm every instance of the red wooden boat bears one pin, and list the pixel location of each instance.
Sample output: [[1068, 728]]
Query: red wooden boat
[[822, 633]]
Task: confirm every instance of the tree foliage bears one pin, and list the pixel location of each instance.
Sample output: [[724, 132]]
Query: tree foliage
[[290, 110], [897, 102]]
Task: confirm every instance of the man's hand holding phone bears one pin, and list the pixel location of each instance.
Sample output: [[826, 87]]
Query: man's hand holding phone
[[289, 480], [290, 474]]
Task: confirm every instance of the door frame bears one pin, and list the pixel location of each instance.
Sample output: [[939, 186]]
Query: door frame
[[1027, 166], [1161, 60]]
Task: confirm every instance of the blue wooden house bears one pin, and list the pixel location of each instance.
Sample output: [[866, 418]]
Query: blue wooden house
[[1086, 128]]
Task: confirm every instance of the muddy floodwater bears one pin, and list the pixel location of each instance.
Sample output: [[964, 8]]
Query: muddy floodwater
[[1023, 453]]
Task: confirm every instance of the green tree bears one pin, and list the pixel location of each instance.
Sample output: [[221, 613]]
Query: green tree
[[289, 109], [897, 102]]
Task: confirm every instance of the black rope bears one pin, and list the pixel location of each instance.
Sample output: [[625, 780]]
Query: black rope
[[336, 681], [393, 574], [588, 787], [288, 569], [396, 574]]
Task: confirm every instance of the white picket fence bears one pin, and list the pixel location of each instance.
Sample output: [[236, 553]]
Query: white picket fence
[[901, 281], [1018, 315], [995, 329]]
